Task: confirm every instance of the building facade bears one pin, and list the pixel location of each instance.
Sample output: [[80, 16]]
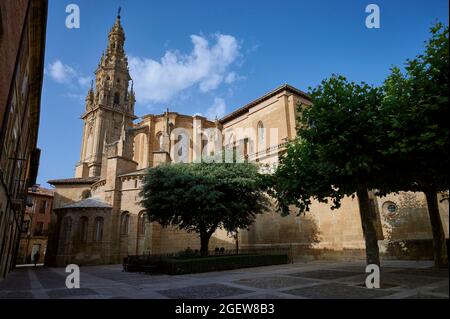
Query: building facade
[[22, 45], [99, 219], [35, 225]]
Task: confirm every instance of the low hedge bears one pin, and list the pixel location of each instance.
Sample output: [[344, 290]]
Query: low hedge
[[177, 266]]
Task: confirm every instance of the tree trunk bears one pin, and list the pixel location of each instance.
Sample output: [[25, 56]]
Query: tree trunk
[[237, 242], [368, 226], [204, 243], [439, 245]]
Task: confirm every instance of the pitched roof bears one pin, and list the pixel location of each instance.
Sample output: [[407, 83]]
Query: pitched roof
[[245, 108], [78, 180], [92, 202]]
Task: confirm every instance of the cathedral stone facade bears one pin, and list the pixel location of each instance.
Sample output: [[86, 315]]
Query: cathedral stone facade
[[98, 218]]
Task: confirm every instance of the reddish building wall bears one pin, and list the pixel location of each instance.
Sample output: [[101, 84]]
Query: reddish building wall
[[12, 16]]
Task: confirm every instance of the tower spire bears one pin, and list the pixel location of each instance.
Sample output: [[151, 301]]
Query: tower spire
[[107, 98]]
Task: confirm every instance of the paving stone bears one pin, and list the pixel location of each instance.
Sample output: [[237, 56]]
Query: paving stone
[[326, 274], [397, 280], [67, 293], [274, 282], [17, 280], [264, 296], [132, 279], [408, 281], [426, 296], [337, 280], [203, 292], [359, 268], [50, 279], [441, 290], [338, 291], [430, 272], [16, 295], [362, 268]]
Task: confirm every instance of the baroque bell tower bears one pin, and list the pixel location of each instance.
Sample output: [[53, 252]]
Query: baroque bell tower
[[109, 105]]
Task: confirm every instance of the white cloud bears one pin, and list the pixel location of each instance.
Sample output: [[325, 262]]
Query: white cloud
[[74, 96], [60, 72], [231, 77], [84, 80], [65, 74], [218, 109], [206, 66]]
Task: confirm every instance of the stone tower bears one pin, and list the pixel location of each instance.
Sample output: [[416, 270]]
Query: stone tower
[[109, 106]]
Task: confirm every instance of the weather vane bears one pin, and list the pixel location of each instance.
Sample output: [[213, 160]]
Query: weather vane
[[118, 12]]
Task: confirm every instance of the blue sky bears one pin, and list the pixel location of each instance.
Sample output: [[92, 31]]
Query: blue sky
[[211, 57]]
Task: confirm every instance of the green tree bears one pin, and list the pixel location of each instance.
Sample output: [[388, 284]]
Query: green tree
[[415, 112], [201, 197], [335, 153]]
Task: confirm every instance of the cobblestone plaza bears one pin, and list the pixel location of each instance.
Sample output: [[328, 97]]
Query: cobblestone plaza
[[314, 280]]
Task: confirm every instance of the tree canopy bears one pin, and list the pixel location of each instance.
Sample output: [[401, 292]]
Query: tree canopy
[[358, 137], [201, 197], [335, 153], [415, 112]]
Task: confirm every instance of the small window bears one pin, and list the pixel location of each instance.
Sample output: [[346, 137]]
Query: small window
[[180, 149], [98, 233], [246, 149], [42, 206], [261, 134], [124, 223], [67, 228], [25, 226], [116, 98], [39, 230], [141, 223], [390, 208], [160, 141], [83, 229]]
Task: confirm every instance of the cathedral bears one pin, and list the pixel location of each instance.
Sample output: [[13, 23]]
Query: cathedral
[[97, 215]]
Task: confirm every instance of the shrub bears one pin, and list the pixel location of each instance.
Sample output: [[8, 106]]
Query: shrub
[[177, 266]]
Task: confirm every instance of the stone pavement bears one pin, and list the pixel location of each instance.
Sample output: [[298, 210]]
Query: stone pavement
[[341, 280]]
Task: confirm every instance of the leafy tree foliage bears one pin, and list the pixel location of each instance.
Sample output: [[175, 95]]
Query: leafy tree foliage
[[201, 197], [415, 112], [335, 154], [356, 138]]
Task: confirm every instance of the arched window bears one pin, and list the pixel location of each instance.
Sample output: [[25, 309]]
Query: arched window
[[67, 227], [83, 229], [98, 230], [205, 146], [89, 142], [159, 138], [182, 145], [261, 135], [180, 148], [231, 141], [142, 220], [124, 223], [116, 98]]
